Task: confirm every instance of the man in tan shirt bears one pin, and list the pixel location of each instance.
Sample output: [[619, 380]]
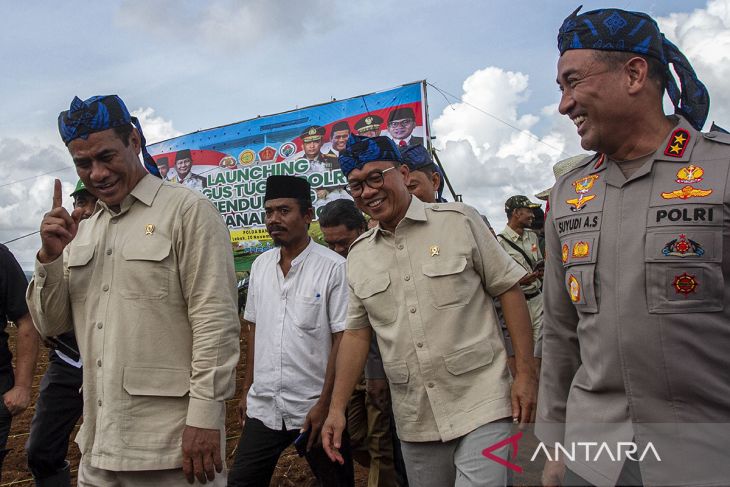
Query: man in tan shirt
[[522, 245], [423, 281], [147, 283]]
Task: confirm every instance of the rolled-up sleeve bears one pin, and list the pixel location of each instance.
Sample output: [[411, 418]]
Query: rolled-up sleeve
[[209, 286]]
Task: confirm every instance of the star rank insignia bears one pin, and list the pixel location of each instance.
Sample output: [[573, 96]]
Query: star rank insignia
[[683, 247], [685, 284], [677, 143]]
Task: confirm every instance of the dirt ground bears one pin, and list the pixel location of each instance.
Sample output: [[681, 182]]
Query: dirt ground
[[291, 470]]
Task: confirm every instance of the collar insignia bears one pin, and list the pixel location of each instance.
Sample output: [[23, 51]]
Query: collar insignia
[[677, 143]]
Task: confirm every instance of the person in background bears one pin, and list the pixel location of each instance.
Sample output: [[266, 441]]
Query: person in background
[[15, 384], [368, 412], [521, 243], [295, 314], [59, 403]]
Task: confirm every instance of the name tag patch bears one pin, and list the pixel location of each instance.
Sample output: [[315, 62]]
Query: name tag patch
[[578, 223], [685, 214]]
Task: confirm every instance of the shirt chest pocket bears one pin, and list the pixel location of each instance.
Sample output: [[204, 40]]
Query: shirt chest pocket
[[449, 285], [684, 270], [377, 298], [80, 270], [579, 254], [306, 312], [146, 268]]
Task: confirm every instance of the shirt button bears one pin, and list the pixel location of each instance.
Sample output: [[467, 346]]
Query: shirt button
[[413, 309], [430, 385], [108, 251], [105, 287], [400, 246], [99, 402], [710, 135], [100, 325], [419, 344], [114, 221], [98, 363], [407, 277]]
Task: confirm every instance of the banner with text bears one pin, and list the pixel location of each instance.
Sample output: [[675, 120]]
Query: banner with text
[[230, 164]]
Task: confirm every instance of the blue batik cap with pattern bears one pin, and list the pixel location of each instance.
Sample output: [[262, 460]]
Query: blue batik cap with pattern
[[97, 114], [619, 30], [361, 150]]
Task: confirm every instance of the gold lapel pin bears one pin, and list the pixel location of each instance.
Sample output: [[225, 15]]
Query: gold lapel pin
[[149, 229], [434, 250]]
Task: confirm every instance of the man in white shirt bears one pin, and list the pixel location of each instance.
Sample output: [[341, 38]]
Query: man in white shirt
[[295, 312]]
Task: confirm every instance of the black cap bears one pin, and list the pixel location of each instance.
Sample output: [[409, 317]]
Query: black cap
[[313, 133], [368, 123], [287, 187]]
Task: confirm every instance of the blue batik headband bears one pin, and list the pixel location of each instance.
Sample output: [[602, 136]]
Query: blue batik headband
[[361, 150], [619, 30], [97, 114]]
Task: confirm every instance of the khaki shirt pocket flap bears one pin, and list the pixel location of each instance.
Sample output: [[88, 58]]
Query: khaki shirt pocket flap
[[469, 358], [373, 286], [444, 267], [81, 255], [150, 381], [151, 248], [397, 372]]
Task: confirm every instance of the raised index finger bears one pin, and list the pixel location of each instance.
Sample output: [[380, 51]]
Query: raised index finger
[[57, 203]]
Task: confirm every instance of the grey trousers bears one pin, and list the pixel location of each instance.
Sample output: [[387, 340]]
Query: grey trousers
[[458, 462]]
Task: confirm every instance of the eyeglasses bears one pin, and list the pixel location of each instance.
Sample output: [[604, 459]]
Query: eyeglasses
[[374, 180], [401, 123]]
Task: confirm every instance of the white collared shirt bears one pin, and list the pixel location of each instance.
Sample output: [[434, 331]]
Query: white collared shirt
[[295, 318]]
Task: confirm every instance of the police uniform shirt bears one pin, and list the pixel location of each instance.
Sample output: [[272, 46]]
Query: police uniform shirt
[[636, 284], [426, 289], [295, 317]]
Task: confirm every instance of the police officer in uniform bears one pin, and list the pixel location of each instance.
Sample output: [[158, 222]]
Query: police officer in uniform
[[637, 325], [60, 402], [522, 244], [312, 139], [369, 126]]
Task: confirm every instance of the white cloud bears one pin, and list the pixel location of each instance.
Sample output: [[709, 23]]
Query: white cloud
[[704, 37], [155, 128], [490, 157], [27, 186], [230, 25], [27, 190], [489, 160]]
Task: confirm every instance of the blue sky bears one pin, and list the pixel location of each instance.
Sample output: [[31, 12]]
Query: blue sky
[[194, 65]]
